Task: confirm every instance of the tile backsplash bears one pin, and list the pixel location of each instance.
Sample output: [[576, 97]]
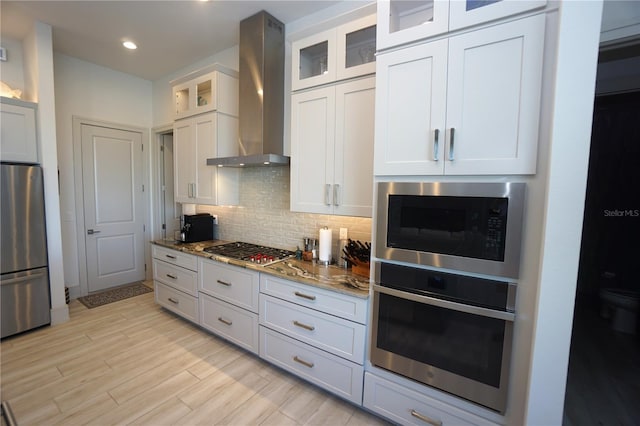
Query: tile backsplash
[[263, 216]]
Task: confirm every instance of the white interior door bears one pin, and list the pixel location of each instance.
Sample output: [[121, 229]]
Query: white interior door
[[113, 206]]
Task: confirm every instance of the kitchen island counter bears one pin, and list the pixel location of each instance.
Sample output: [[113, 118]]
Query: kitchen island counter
[[328, 277]]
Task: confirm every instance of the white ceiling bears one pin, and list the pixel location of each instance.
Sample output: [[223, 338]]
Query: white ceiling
[[170, 34]]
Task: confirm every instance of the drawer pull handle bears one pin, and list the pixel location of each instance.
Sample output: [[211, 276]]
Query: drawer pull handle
[[224, 321], [305, 326], [172, 276], [303, 362], [171, 256], [425, 419], [172, 300], [224, 283], [304, 296]]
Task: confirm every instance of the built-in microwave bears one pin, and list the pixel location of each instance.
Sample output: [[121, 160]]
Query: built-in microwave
[[467, 227]]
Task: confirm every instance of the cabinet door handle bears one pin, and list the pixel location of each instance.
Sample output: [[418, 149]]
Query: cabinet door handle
[[224, 283], [426, 419], [451, 141], [303, 362], [327, 194], [304, 296], [336, 193], [436, 144], [224, 321], [170, 256], [172, 276], [174, 301], [305, 326]]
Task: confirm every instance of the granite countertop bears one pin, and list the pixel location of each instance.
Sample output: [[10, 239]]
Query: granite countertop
[[328, 277]]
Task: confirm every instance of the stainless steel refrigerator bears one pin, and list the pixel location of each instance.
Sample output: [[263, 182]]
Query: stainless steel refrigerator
[[24, 284]]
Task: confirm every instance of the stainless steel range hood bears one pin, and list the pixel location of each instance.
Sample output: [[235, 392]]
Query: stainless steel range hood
[[261, 94]]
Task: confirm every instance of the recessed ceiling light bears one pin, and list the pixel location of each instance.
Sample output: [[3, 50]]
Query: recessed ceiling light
[[129, 45]]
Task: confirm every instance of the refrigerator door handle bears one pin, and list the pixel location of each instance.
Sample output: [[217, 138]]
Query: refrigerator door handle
[[21, 279]]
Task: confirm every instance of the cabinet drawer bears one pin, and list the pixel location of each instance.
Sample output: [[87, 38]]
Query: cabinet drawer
[[230, 322], [405, 406], [336, 335], [175, 257], [331, 302], [330, 372], [176, 301], [232, 284], [176, 277]]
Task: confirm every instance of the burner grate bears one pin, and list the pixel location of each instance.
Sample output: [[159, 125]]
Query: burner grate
[[250, 252]]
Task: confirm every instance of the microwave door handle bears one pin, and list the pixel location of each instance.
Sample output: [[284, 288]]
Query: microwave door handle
[[434, 301]]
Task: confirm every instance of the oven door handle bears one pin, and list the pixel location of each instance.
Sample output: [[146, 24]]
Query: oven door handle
[[461, 307]]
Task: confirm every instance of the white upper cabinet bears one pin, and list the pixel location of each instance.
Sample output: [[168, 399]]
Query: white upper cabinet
[[332, 149], [336, 54], [469, 104], [401, 22], [18, 139], [215, 90], [195, 140]]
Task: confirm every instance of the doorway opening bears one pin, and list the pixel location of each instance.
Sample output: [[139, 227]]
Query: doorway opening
[[603, 382], [169, 211]]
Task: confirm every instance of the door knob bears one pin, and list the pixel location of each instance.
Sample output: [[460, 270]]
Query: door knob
[[91, 232]]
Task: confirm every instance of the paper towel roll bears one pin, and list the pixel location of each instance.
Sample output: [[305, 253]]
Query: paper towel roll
[[324, 254], [189, 209]]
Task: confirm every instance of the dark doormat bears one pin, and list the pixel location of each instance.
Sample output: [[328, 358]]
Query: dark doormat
[[114, 295]]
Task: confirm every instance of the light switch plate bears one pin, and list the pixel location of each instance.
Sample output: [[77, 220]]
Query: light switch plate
[[3, 54]]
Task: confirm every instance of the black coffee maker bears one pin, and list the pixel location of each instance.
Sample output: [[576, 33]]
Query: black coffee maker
[[197, 227]]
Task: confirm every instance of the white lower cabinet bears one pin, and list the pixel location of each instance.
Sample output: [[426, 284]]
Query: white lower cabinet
[[229, 302], [230, 322], [175, 277], [321, 368], [314, 333], [176, 301], [408, 407], [327, 332]]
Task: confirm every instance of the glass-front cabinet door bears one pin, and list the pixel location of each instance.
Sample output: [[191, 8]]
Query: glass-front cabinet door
[[339, 53], [314, 60], [356, 48], [405, 21]]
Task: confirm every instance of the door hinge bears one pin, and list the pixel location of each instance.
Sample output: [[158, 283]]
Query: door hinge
[[164, 226], [142, 147], [144, 228], [142, 187], [161, 148], [145, 267]]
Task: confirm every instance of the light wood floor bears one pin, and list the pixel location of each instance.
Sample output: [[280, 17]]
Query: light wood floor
[[132, 362]]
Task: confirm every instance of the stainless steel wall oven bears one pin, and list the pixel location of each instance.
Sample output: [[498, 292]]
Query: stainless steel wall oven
[[470, 227], [447, 255], [449, 331]]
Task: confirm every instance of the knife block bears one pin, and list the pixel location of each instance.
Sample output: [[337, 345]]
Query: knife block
[[361, 269]]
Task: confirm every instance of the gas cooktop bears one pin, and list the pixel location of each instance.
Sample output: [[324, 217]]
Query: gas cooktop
[[250, 252]]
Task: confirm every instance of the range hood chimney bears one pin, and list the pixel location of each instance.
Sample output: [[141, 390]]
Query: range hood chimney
[[261, 94]]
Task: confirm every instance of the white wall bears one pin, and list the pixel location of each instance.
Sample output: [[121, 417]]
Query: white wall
[[570, 139], [39, 87], [93, 92]]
